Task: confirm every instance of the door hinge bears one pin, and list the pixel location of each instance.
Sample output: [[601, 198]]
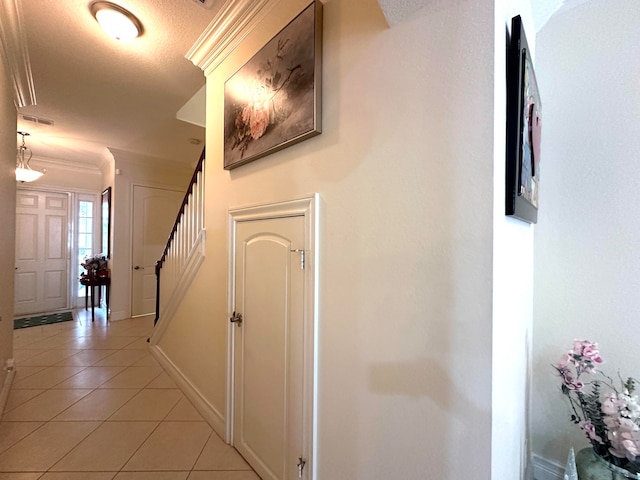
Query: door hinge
[[301, 252], [301, 463], [236, 318]]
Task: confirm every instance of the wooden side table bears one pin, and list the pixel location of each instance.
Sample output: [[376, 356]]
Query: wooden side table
[[93, 281]]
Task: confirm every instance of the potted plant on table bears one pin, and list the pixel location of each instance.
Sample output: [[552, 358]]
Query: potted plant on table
[[608, 415], [95, 265]]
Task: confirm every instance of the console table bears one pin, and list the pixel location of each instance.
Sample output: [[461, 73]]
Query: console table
[[91, 282]]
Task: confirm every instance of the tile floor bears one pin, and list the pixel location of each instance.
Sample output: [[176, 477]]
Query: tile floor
[[89, 402]]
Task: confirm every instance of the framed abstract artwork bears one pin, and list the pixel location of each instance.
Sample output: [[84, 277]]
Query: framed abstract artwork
[[524, 124], [274, 100]]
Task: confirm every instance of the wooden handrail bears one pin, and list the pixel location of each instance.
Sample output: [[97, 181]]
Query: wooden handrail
[[185, 201]]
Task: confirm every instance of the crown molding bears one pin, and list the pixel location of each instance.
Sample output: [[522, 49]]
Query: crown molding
[[126, 157], [13, 46], [39, 161], [229, 27]]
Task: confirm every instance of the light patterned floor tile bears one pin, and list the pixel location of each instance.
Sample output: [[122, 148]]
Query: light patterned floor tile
[[98, 405], [48, 377], [52, 342], [146, 361], [223, 476], [12, 432], [140, 344], [44, 447], [81, 342], [152, 476], [137, 331], [86, 358], [18, 397], [45, 406], [124, 358], [184, 412], [22, 354], [107, 448], [90, 377], [172, 446], [110, 407], [111, 343], [217, 455], [148, 405], [162, 381], [78, 476], [133, 377], [49, 357], [20, 476], [24, 372]]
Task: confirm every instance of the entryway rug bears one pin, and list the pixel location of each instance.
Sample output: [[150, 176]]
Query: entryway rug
[[42, 320]]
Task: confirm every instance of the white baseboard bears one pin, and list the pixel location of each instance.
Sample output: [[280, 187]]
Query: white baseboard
[[211, 415], [544, 469], [4, 393]]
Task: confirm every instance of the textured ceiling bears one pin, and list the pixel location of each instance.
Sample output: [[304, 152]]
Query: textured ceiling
[[100, 93]]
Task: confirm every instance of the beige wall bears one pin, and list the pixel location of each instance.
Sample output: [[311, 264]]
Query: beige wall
[[587, 241], [8, 139], [405, 171]]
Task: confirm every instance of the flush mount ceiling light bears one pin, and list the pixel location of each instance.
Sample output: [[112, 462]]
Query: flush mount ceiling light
[[119, 23], [24, 173]]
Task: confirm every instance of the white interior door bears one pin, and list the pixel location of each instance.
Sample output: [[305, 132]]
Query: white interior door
[[42, 252], [269, 346], [154, 212]]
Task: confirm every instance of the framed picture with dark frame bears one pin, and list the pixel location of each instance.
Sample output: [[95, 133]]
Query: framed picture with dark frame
[[274, 100], [524, 123], [105, 211]]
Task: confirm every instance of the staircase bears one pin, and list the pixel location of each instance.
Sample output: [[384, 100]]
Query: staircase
[[184, 252]]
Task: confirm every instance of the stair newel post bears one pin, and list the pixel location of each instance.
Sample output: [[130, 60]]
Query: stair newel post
[[158, 268]]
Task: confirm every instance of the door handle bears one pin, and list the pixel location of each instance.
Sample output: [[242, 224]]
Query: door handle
[[138, 267], [236, 318]]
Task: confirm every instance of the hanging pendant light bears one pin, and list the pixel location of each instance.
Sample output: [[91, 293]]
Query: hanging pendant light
[[24, 173]]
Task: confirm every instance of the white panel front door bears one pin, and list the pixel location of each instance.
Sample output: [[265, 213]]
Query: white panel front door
[[42, 251], [269, 346], [154, 212]]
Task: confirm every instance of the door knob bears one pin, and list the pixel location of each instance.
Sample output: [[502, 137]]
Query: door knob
[[236, 318], [138, 267]]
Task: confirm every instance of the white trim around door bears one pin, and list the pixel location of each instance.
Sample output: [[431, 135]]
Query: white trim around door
[[308, 207]]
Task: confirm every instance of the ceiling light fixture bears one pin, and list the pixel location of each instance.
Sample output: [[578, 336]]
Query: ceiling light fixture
[[24, 173], [119, 23]]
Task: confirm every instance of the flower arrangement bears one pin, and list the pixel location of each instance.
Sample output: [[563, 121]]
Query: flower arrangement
[[609, 416], [94, 264]]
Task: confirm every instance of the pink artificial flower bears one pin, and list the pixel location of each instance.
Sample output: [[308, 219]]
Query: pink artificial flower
[[567, 378], [590, 430], [259, 120], [587, 349], [625, 440], [631, 446], [611, 404]]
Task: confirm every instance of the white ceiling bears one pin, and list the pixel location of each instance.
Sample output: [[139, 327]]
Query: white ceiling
[[100, 93]]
